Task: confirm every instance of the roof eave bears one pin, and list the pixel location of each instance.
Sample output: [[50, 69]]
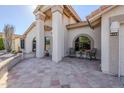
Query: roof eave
[[100, 14], [29, 28], [77, 25], [68, 6], [37, 8], [73, 12]]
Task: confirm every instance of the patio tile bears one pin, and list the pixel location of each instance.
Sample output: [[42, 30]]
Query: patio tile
[[75, 85], [55, 82], [41, 71], [65, 86], [69, 73], [46, 81]]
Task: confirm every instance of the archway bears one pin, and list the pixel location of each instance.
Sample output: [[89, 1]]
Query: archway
[[34, 45], [47, 43], [83, 42]]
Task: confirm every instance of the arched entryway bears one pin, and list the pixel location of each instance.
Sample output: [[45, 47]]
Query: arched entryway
[[83, 42], [34, 45], [47, 43]]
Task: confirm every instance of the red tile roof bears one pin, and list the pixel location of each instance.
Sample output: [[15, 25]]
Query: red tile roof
[[99, 10]]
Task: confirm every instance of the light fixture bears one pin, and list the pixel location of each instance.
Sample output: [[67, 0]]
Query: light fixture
[[114, 28]]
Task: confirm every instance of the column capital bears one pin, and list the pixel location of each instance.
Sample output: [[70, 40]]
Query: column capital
[[40, 16], [58, 8]]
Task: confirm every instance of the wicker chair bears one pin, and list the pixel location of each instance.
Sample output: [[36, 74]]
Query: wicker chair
[[91, 54], [72, 52]]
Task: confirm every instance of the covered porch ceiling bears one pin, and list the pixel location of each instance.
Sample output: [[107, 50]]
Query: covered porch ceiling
[[68, 10]]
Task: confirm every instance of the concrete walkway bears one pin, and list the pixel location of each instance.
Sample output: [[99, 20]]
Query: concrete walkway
[[71, 72]]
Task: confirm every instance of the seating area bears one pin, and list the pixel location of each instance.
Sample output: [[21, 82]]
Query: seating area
[[86, 54]]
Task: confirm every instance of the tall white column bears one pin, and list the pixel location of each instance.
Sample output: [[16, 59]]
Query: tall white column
[[39, 34], [105, 34], [57, 33]]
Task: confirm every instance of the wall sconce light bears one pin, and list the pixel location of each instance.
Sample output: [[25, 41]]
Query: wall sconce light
[[114, 28]]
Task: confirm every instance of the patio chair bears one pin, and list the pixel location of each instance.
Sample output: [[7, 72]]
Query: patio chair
[[71, 52], [80, 54], [47, 53], [91, 54]]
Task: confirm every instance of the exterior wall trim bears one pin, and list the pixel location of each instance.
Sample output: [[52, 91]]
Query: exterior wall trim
[[86, 35], [77, 25]]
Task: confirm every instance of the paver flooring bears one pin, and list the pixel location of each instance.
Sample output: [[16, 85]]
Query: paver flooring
[[69, 73]]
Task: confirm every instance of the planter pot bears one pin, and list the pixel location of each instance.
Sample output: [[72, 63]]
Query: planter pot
[[77, 55]]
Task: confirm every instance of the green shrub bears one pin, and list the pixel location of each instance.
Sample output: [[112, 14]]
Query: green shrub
[[13, 52], [1, 44]]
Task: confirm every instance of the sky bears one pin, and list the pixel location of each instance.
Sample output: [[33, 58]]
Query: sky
[[21, 16]]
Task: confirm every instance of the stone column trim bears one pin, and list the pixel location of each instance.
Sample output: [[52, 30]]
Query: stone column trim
[[58, 8], [40, 16]]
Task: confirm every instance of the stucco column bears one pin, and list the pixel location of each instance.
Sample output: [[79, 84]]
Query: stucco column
[[105, 40], [57, 33], [114, 48], [39, 34]]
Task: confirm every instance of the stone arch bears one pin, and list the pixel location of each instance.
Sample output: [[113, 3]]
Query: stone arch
[[34, 44], [48, 44], [85, 35]]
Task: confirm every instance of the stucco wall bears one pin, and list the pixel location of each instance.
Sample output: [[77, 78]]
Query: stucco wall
[[71, 20], [17, 44], [121, 49], [31, 35], [109, 56], [28, 40], [65, 22], [114, 54], [95, 35], [48, 22]]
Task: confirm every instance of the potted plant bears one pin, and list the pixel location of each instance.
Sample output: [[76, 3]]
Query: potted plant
[[47, 53]]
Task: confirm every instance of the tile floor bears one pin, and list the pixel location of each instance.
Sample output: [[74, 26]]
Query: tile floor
[[69, 73]]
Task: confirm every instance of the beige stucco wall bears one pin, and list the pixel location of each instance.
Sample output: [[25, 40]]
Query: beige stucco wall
[[48, 22], [17, 44], [72, 20], [31, 35], [69, 36], [94, 35], [28, 40], [110, 47], [121, 49], [114, 54], [65, 22]]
